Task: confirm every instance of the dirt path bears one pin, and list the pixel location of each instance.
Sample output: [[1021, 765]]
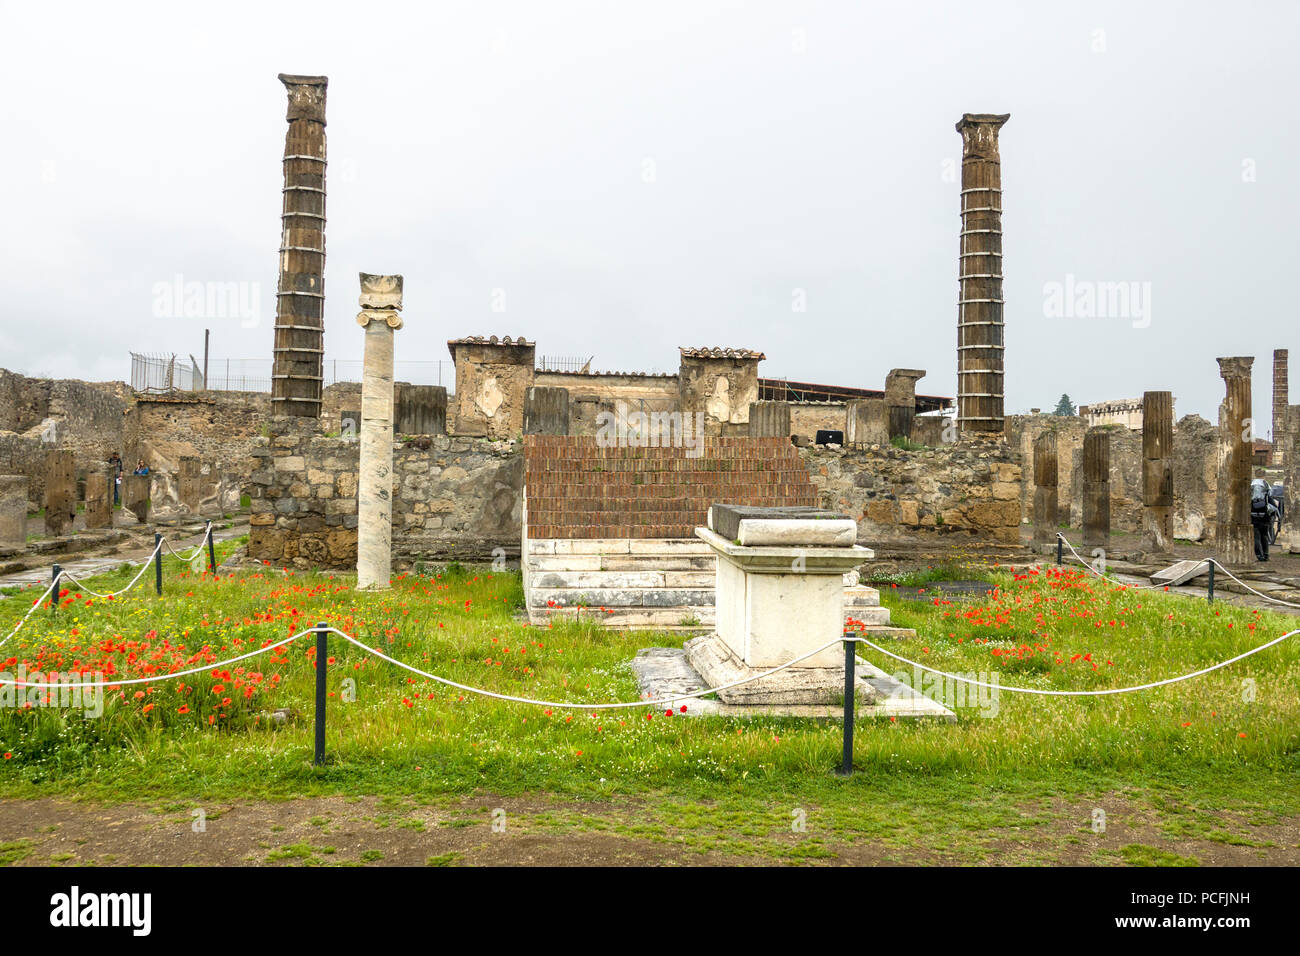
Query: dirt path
[[495, 831]]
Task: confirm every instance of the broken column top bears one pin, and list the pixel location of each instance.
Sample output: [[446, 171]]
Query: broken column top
[[306, 96]]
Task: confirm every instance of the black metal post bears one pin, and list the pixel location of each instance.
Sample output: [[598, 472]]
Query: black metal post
[[212, 551], [322, 652], [1060, 549], [54, 591], [850, 693], [1209, 587], [157, 562]]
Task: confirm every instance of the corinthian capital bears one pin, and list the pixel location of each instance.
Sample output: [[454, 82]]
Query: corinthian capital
[[979, 134], [306, 97]]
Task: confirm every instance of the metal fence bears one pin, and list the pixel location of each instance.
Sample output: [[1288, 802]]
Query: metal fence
[[164, 373], [564, 363]]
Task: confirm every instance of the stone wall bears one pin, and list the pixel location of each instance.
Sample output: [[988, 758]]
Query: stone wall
[[971, 489], [807, 418], [452, 497], [216, 427]]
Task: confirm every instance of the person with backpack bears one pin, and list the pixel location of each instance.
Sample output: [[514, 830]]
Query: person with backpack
[[1262, 512]]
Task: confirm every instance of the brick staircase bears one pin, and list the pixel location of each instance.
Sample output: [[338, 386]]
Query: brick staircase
[[609, 533]]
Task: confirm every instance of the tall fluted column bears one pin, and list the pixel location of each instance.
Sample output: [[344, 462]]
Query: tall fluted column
[[1158, 470], [1233, 535], [980, 342], [297, 380], [1096, 488], [381, 300], [1045, 488]]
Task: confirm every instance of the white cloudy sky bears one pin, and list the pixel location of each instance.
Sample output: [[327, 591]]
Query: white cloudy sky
[[483, 146]]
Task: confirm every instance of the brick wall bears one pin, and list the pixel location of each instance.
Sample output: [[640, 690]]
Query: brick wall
[[577, 489]]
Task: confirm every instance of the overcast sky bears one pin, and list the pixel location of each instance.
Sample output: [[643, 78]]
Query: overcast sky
[[625, 178]]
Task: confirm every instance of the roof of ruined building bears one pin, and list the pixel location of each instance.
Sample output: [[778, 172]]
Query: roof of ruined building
[[492, 340], [720, 353]]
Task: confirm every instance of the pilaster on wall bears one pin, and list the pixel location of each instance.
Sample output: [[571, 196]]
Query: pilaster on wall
[[721, 383], [492, 380]]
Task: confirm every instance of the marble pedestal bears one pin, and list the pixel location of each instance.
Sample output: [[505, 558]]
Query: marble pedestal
[[780, 595]]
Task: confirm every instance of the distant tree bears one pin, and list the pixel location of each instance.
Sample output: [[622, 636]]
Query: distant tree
[[1065, 406]]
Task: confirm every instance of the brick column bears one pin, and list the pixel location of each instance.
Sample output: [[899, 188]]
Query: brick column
[[1280, 396], [980, 342], [296, 377], [1233, 536], [1157, 470]]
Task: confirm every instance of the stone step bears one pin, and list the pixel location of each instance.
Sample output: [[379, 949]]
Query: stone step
[[613, 580], [652, 597], [620, 562], [674, 547], [658, 618]]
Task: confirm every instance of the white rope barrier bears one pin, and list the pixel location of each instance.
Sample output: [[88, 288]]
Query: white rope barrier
[[1266, 597], [111, 594], [1082, 693], [1104, 577], [188, 558], [31, 610], [654, 702], [158, 678], [1151, 587]]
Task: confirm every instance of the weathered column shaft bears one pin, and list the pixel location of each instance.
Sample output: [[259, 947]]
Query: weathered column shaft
[[1158, 470], [60, 492], [99, 501], [771, 420], [546, 410], [1045, 488], [1096, 488], [13, 512], [900, 399], [1234, 537], [980, 342], [1280, 398], [381, 298], [297, 379]]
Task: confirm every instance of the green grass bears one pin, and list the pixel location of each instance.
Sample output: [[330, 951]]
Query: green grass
[[1200, 740]]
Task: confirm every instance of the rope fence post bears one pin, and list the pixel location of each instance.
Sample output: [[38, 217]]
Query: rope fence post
[[1209, 584], [850, 693], [322, 652], [54, 591], [212, 551], [157, 562], [1060, 549]]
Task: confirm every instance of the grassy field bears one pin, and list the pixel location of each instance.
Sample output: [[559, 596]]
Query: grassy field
[[1212, 760]]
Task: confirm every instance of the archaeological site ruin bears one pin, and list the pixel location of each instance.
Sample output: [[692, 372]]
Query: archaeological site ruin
[[596, 482]]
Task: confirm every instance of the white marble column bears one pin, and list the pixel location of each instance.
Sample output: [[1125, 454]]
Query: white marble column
[[381, 300]]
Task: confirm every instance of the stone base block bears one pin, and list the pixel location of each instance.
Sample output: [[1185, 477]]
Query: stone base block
[[664, 671], [717, 665]]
